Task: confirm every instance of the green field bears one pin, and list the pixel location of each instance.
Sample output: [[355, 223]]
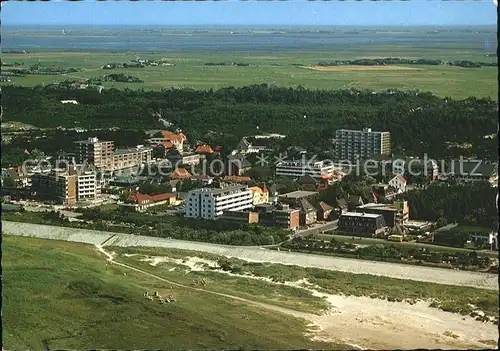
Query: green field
[[279, 68], [63, 295]]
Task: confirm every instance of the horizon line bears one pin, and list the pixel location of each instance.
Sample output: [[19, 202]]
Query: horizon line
[[249, 25]]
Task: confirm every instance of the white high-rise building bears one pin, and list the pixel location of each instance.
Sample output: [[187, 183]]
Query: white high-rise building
[[88, 186], [353, 144], [210, 203]]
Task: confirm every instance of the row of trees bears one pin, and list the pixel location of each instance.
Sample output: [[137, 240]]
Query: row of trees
[[403, 61], [116, 77], [220, 231], [391, 252]]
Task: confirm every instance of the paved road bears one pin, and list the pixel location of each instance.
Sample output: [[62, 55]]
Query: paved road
[[256, 254], [447, 227], [319, 228]]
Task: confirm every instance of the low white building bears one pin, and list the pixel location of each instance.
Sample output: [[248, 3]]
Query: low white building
[[74, 102], [300, 168], [399, 183], [210, 203]]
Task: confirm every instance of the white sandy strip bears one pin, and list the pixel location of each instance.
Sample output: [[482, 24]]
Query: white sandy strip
[[378, 323]]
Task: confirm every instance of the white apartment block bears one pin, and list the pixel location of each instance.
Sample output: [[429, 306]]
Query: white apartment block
[[353, 144], [210, 203], [300, 168], [88, 186]]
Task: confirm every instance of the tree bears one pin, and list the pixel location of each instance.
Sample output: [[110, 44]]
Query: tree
[[441, 222], [8, 182]]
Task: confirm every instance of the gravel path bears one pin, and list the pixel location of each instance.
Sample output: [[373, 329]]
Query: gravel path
[[255, 254]]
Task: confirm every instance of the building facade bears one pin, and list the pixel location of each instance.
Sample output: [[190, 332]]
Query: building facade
[[57, 185], [297, 169], [363, 144], [88, 186], [95, 152], [281, 216], [102, 155], [361, 224], [398, 183], [260, 195], [210, 203], [241, 216], [132, 157], [397, 213], [67, 187]]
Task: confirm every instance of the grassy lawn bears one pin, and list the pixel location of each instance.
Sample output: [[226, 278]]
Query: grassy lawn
[[470, 229], [280, 68], [63, 295]]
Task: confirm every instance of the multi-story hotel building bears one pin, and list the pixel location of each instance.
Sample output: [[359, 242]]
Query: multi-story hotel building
[[67, 187], [128, 158], [210, 203], [300, 168], [102, 155], [353, 144], [57, 185], [95, 152]]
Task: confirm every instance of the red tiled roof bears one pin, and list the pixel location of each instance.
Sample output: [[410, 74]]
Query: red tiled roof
[[324, 206], [204, 148], [403, 179], [139, 198], [256, 189], [180, 173], [166, 144], [237, 179], [172, 137], [163, 196]]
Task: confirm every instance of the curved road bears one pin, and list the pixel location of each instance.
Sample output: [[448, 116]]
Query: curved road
[[256, 254]]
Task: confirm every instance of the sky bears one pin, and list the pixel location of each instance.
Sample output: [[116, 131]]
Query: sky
[[298, 12]]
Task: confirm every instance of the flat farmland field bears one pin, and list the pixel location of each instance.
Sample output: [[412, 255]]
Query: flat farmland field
[[191, 71], [273, 56]]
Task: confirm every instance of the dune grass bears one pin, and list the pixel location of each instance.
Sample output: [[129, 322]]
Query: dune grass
[[63, 296]]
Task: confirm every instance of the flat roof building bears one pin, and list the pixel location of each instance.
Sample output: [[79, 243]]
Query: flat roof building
[[102, 155], [299, 168], [361, 144], [210, 203], [361, 224]]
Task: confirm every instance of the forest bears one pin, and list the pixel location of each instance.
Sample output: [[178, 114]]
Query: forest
[[464, 204], [419, 122]]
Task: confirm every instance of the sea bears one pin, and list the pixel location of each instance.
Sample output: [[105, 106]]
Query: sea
[[239, 38]]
